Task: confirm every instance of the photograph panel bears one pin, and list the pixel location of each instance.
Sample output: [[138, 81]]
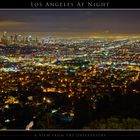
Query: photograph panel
[[69, 69]]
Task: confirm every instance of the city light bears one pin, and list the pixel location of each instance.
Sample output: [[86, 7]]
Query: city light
[[63, 81]]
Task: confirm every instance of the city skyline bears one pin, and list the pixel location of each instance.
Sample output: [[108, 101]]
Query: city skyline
[[69, 70], [76, 21]]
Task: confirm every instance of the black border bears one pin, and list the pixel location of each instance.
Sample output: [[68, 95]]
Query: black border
[[27, 3], [69, 133]]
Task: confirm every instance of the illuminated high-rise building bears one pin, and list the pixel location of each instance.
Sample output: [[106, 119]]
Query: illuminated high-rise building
[[15, 38], [11, 38], [29, 38], [5, 34], [4, 38], [19, 38]]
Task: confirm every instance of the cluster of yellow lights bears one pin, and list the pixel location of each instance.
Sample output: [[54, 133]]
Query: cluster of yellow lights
[[11, 100]]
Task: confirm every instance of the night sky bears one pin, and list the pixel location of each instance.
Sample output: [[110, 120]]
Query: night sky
[[96, 21]]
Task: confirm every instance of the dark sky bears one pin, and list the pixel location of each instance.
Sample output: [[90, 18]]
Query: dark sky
[[98, 21]]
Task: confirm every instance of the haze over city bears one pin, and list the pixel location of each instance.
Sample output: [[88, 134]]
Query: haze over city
[[78, 22]]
